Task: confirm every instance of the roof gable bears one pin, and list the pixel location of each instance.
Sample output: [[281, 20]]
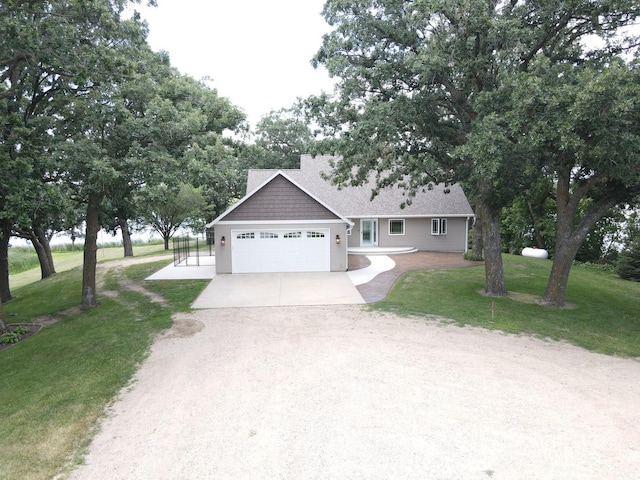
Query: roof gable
[[279, 198]]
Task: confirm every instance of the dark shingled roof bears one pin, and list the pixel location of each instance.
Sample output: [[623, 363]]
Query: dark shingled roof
[[356, 202]]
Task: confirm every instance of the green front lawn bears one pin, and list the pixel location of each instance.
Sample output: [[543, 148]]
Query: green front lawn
[[605, 313]]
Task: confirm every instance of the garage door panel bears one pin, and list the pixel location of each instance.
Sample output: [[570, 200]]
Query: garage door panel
[[291, 250]]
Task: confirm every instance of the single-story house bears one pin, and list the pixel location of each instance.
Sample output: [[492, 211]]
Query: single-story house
[[295, 220]]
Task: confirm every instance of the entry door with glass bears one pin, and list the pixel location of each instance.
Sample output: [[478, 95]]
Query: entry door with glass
[[368, 232]]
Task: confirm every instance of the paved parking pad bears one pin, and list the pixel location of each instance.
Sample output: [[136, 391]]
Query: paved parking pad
[[279, 289]]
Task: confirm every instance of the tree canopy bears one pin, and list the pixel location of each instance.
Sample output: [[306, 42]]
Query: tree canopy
[[168, 208]]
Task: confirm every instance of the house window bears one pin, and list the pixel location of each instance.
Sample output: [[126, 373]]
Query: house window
[[315, 235], [268, 235], [293, 235], [396, 227], [244, 236], [438, 226]]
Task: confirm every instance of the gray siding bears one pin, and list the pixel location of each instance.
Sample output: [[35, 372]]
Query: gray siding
[[223, 254], [280, 200], [417, 233]]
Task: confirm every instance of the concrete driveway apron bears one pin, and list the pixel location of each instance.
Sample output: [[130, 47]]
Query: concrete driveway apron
[[279, 289]]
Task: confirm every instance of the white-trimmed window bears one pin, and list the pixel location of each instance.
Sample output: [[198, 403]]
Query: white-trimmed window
[[245, 236], [315, 235], [293, 235], [438, 226], [396, 226], [268, 235]]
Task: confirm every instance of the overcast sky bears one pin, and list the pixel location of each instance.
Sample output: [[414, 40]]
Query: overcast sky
[[257, 52]]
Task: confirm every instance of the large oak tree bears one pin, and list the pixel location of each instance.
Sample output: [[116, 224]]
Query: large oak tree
[[580, 122]]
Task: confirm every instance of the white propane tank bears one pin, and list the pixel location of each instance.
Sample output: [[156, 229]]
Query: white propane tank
[[535, 252]]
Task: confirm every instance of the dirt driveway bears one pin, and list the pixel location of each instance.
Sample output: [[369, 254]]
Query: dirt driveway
[[343, 393]]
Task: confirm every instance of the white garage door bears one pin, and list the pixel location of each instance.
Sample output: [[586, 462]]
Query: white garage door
[[293, 250]]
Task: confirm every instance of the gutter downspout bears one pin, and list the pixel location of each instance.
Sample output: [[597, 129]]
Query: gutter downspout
[[350, 226], [466, 234]]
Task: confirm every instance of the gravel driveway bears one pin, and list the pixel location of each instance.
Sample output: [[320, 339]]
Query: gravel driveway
[[342, 393]]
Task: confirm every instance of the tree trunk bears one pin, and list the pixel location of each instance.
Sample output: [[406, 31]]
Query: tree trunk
[[44, 241], [495, 285], [45, 260], [40, 242], [42, 256], [569, 234], [3, 326], [476, 236], [5, 234], [126, 237], [90, 253], [166, 241], [566, 250]]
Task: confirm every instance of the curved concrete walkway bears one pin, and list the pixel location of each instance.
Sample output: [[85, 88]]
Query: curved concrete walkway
[[378, 264]]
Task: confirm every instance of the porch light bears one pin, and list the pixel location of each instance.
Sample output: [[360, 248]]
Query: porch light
[[222, 241], [337, 239]]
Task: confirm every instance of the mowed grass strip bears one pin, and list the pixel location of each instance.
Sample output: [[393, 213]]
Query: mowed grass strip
[[25, 268], [55, 385], [603, 315]]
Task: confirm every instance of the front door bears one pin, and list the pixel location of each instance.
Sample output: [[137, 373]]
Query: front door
[[368, 232]]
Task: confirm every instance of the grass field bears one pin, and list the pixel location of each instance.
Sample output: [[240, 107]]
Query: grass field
[[604, 314], [65, 259]]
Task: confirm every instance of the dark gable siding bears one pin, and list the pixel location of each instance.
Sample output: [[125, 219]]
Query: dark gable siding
[[280, 200]]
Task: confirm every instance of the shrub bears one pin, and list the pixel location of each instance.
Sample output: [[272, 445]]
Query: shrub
[[629, 262], [598, 266], [14, 334], [10, 337], [21, 329], [470, 256]]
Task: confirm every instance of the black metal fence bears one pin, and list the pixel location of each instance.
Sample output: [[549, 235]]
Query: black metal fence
[[187, 250]]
